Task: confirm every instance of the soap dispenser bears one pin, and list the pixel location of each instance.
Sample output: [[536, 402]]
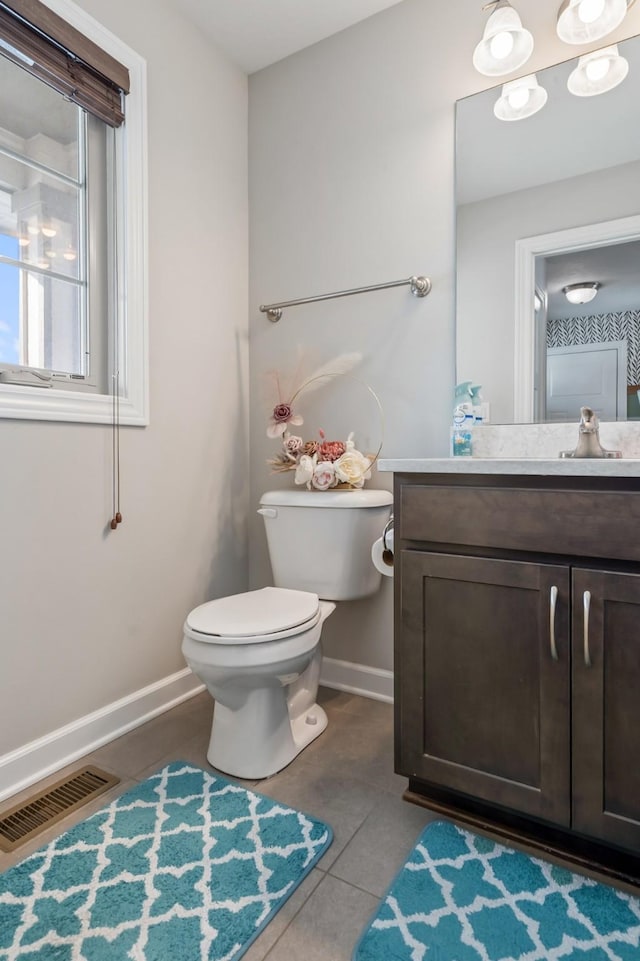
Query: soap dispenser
[[463, 421]]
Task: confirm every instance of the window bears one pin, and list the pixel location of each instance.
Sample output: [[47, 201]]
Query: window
[[72, 219]]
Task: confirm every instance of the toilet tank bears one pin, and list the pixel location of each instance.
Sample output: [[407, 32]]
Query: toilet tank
[[320, 541]]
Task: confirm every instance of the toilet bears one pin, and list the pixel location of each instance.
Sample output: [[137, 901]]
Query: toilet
[[259, 652]]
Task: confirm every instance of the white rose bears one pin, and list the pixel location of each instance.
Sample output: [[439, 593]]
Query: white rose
[[324, 476], [292, 444], [305, 469], [353, 468]]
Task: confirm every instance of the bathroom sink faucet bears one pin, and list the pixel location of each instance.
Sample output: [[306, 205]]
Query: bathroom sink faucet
[[589, 438]]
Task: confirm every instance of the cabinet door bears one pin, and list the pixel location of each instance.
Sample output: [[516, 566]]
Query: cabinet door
[[483, 703], [606, 706]]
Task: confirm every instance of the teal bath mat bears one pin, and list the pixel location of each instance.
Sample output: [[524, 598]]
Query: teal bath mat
[[187, 866], [461, 897]]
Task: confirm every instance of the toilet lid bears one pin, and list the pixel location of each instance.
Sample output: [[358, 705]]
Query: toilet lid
[[255, 613]]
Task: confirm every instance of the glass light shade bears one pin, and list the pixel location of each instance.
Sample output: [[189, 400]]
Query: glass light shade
[[582, 21], [520, 99], [598, 72], [581, 293], [505, 44]]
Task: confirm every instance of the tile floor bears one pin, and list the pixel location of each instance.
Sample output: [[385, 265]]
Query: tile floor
[[344, 777]]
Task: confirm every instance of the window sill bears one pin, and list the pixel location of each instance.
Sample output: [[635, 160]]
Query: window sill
[[38, 403]]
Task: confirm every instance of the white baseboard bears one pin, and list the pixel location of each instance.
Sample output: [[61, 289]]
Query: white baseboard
[[370, 682], [38, 759]]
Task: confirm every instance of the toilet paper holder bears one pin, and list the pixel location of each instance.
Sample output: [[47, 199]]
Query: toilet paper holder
[[388, 551]]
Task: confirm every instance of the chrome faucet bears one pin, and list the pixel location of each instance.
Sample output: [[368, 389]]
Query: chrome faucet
[[589, 438]]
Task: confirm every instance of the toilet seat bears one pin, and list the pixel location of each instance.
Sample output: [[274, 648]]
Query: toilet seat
[[254, 617]]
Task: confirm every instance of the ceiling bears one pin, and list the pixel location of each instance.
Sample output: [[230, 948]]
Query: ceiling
[[256, 33], [615, 266]]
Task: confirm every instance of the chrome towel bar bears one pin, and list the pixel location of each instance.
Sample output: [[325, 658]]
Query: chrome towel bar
[[420, 287]]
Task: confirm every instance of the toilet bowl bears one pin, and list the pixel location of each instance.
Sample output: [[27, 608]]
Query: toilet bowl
[[259, 652], [259, 655]]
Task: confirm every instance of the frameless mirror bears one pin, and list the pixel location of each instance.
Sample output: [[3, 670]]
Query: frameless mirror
[[546, 203]]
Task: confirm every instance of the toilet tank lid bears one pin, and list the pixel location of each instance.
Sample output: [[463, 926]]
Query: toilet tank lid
[[267, 611], [343, 498]]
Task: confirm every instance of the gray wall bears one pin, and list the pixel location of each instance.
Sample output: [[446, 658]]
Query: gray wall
[[86, 616], [351, 183]]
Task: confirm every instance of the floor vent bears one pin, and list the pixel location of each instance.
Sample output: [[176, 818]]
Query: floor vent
[[41, 810]]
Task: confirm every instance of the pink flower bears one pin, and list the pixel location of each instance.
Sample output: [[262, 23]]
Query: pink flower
[[331, 450], [324, 476], [282, 415]]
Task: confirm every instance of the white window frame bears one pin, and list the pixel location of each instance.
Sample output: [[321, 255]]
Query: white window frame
[[37, 403]]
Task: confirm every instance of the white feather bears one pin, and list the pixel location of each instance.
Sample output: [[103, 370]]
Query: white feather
[[327, 372]]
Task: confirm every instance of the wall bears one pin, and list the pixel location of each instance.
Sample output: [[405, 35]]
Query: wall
[[351, 183], [621, 325], [89, 616]]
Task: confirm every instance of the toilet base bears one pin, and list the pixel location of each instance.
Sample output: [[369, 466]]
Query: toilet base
[[261, 739], [308, 726]]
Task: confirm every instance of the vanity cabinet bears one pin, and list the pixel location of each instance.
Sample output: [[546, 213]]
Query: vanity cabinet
[[517, 652]]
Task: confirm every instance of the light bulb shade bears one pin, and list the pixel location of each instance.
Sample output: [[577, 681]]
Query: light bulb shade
[[520, 98], [581, 293], [503, 20], [586, 82], [575, 25]]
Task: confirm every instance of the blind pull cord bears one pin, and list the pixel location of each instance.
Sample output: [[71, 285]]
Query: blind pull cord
[[115, 433]]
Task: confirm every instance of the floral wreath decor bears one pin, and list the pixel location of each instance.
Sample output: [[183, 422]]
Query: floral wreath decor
[[318, 464]]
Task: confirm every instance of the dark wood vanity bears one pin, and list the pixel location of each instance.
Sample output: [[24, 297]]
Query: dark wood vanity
[[517, 657]]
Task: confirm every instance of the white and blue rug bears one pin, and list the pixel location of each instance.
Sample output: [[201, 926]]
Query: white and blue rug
[[187, 866], [461, 897]]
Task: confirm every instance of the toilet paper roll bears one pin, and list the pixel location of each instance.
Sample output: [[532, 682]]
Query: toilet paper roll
[[382, 556]]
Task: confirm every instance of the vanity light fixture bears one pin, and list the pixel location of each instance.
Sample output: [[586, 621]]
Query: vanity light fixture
[[598, 72], [581, 293], [582, 21], [520, 98], [505, 44]]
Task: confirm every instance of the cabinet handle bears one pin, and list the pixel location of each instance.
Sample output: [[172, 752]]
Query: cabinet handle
[[586, 603], [553, 599]]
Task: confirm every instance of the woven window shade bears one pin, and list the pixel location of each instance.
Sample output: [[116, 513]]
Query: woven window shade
[[45, 45]]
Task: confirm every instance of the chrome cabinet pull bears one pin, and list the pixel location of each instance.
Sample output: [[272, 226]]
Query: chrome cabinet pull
[[553, 600], [586, 603]]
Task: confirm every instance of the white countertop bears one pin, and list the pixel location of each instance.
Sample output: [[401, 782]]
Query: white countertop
[[589, 467]]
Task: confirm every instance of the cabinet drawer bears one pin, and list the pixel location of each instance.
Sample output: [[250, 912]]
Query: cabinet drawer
[[580, 523]]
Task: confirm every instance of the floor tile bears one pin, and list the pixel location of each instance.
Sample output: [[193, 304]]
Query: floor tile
[[379, 848], [328, 925], [358, 747], [341, 802], [194, 752], [263, 944], [332, 700]]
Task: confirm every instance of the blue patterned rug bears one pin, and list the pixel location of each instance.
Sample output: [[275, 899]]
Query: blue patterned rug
[[461, 897], [187, 866]]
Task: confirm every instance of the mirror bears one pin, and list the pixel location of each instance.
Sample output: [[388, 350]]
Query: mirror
[[542, 204]]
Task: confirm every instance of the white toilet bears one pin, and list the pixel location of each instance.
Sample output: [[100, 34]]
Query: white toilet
[[259, 652]]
